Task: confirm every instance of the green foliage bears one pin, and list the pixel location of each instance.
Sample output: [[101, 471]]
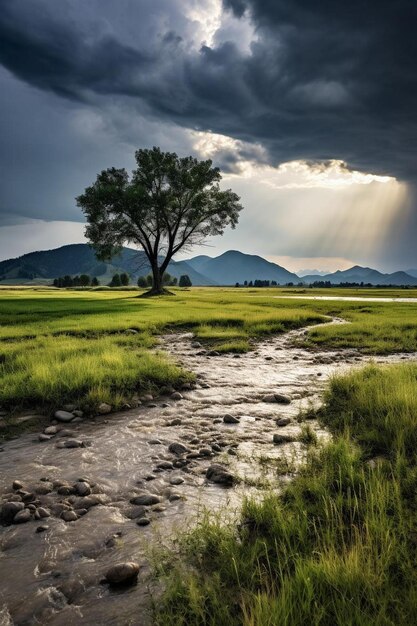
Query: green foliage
[[166, 203], [185, 281], [115, 281], [124, 279], [142, 282]]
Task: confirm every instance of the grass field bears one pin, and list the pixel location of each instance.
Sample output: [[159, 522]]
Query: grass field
[[338, 546], [72, 346]]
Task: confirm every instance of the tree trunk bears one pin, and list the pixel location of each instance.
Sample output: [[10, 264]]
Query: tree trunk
[[157, 286]]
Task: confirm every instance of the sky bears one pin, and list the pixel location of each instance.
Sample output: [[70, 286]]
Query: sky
[[309, 109]]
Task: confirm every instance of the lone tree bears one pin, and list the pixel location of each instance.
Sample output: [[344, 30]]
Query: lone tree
[[185, 281], [168, 203]]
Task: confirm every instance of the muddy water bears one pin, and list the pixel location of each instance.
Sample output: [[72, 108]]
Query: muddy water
[[54, 577]]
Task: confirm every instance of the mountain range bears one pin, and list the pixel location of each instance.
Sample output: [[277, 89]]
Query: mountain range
[[227, 269]]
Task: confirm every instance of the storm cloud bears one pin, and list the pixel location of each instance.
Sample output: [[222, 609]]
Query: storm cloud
[[87, 82]]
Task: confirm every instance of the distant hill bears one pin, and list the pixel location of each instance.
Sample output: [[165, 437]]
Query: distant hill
[[80, 259], [235, 267], [411, 273], [227, 269], [358, 274]]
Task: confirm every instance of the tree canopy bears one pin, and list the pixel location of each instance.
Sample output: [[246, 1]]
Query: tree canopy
[[167, 203]]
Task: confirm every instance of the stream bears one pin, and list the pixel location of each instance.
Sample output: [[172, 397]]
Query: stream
[[55, 577]]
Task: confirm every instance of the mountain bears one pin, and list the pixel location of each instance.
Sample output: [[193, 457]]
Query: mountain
[[227, 269], [80, 259], [358, 274], [235, 267], [412, 273], [302, 273]]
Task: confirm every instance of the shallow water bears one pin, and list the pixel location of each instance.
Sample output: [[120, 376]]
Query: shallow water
[[350, 298], [54, 577]]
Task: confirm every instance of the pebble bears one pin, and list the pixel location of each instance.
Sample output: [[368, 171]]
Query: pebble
[[230, 419], [9, 510], [143, 521], [82, 488], [146, 499], [42, 437], [122, 573], [69, 516], [73, 443], [22, 516], [63, 416], [51, 430], [175, 422], [17, 485], [42, 528], [283, 421], [176, 480], [178, 448], [217, 473]]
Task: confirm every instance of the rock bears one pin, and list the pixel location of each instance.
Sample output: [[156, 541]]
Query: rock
[[281, 399], [152, 405], [51, 430], [205, 452], [82, 488], [78, 413], [176, 395], [87, 502], [143, 521], [283, 421], [9, 510], [213, 353], [131, 331], [74, 443], [136, 511], [174, 497], [22, 516], [43, 512], [176, 480], [178, 448], [103, 408], [17, 485], [122, 573], [42, 528], [165, 465], [63, 416], [219, 474], [27, 496], [81, 512], [146, 499], [42, 437], [280, 439], [69, 516], [269, 398], [59, 507], [147, 397], [175, 422], [65, 490], [230, 419], [154, 442]]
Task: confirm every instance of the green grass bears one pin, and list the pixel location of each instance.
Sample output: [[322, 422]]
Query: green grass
[[338, 545], [70, 345]]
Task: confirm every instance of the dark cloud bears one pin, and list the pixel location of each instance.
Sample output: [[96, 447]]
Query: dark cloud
[[321, 80]]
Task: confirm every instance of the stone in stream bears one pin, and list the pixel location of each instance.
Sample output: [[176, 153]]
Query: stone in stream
[[51, 430], [147, 397], [43, 512], [143, 521], [42, 528], [74, 443], [176, 395], [17, 485], [178, 448], [9, 510], [103, 408], [283, 421], [165, 465], [174, 497], [154, 442], [69, 516], [230, 419], [175, 422], [22, 516], [176, 480], [219, 474], [146, 499], [280, 439], [277, 397], [43, 488], [82, 488], [42, 437], [122, 573], [63, 416]]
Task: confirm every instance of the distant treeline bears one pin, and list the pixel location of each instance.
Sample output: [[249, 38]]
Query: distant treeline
[[319, 284], [84, 280]]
